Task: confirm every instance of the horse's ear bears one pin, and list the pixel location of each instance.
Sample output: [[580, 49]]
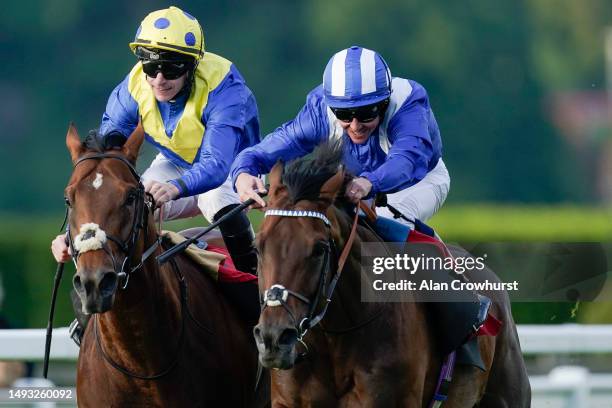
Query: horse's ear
[[73, 142], [276, 174], [330, 189], [277, 190], [133, 143]]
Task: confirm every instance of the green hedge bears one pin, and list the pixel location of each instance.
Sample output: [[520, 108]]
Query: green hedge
[[27, 267], [524, 223]]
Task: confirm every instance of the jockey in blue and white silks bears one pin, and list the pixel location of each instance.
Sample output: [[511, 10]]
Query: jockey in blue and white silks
[[391, 143], [390, 136]]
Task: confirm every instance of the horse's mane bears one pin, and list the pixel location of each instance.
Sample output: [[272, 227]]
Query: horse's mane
[[98, 143], [305, 176]]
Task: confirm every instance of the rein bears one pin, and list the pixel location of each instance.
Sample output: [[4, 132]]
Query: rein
[[175, 359]]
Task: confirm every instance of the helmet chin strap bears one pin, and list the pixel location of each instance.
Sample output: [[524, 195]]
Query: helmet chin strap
[[190, 78], [192, 72], [189, 82], [186, 87]]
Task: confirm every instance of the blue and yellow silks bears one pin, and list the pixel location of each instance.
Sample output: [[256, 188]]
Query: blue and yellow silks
[[187, 137]]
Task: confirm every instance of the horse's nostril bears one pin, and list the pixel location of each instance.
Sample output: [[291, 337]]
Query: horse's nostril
[[76, 282], [108, 284], [288, 337], [257, 333]]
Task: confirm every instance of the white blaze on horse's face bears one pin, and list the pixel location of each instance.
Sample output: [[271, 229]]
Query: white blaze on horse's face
[[90, 238], [97, 183]]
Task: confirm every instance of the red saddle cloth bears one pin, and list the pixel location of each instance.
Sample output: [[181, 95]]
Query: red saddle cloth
[[419, 237], [492, 324], [227, 269], [490, 327]]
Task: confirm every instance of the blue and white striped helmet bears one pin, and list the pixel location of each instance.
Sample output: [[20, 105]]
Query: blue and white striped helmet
[[355, 77]]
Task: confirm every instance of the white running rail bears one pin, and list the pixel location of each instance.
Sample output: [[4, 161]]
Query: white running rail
[[564, 387], [29, 344]]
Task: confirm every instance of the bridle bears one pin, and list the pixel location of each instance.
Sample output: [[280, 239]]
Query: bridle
[[144, 205], [277, 294]]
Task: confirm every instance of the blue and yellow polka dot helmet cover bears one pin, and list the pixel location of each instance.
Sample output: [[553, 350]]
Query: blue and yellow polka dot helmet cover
[[171, 29]]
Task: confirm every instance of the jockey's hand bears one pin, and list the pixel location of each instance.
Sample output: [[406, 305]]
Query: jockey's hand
[[248, 187], [60, 249], [358, 188], [161, 192]]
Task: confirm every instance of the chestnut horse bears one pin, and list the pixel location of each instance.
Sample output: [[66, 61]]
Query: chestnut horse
[[361, 354], [160, 336]]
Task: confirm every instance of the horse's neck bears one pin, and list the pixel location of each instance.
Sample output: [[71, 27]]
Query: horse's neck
[[347, 307], [346, 304]]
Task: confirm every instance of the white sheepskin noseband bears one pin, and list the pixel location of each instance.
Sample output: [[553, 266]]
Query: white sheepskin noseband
[[90, 238]]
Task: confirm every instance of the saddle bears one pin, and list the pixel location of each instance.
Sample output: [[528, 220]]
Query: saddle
[[210, 254], [239, 288], [457, 324]]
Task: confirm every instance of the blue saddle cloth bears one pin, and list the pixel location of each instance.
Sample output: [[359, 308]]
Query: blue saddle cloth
[[394, 231], [390, 230]]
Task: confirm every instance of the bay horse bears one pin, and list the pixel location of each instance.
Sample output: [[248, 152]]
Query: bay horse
[[361, 354], [160, 336]]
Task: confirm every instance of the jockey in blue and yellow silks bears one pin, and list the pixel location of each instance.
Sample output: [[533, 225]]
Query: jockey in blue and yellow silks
[[196, 109], [198, 112], [185, 140], [215, 112]]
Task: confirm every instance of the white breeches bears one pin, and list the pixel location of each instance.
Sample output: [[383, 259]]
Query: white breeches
[[208, 203], [423, 199]]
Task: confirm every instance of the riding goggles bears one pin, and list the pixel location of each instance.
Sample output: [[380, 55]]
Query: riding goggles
[[363, 114], [169, 69]]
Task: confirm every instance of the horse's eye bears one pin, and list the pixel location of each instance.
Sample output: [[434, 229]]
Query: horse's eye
[[129, 200], [319, 249]]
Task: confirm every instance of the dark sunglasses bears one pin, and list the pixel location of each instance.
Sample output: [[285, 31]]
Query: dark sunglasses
[[363, 114], [169, 69]]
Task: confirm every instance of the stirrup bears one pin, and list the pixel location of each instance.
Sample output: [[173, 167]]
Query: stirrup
[[483, 311], [76, 332]]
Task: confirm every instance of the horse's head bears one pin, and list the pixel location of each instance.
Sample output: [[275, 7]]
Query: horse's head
[[107, 209], [297, 254]]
